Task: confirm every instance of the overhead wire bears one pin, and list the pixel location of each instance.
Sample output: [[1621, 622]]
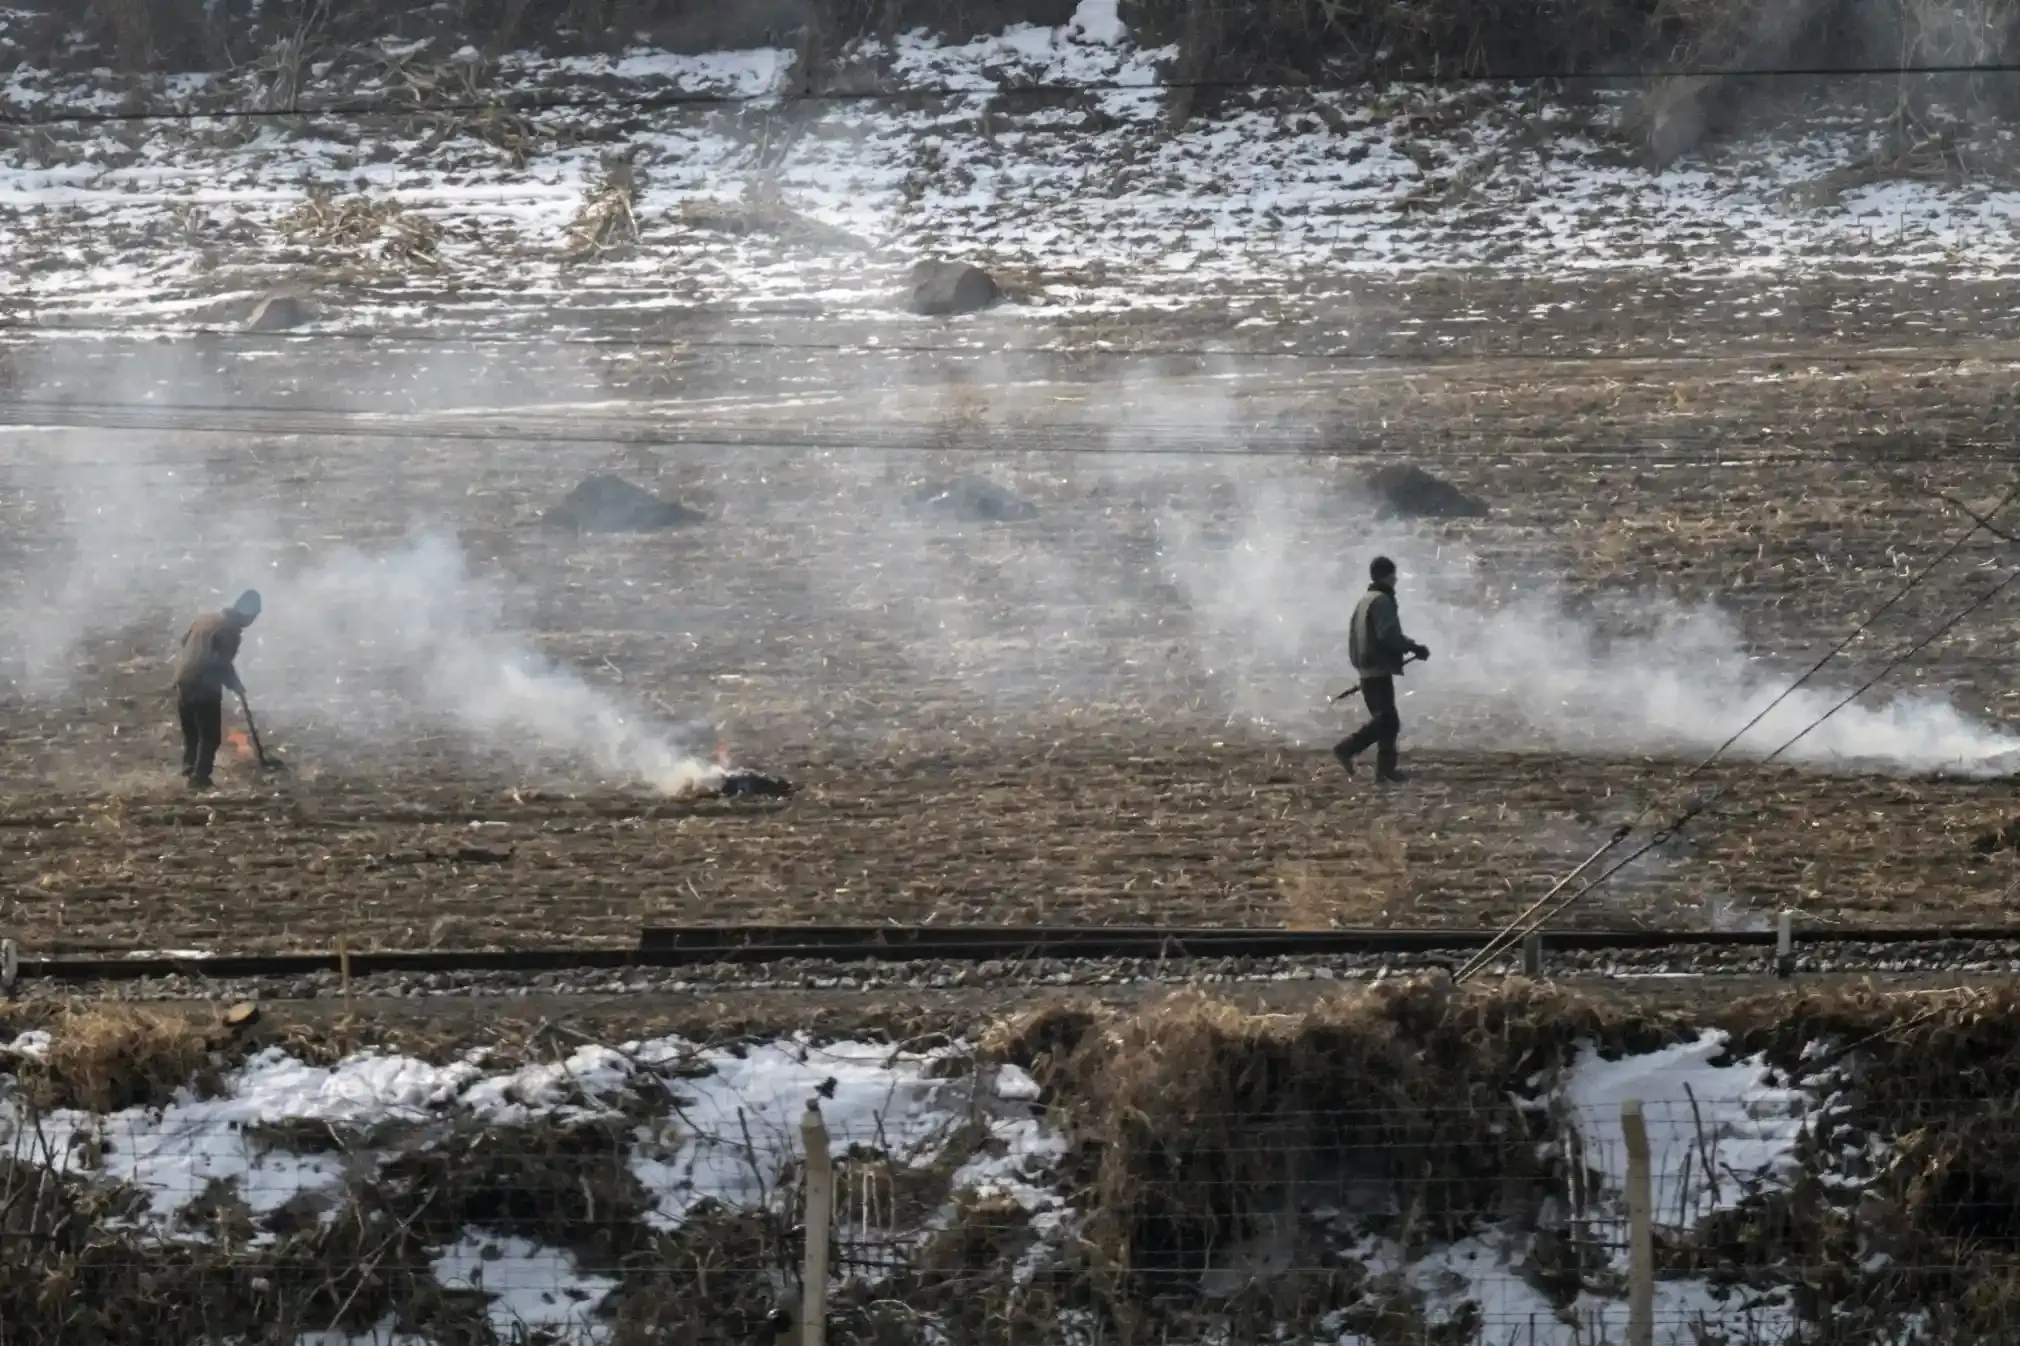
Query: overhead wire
[[1542, 910], [1684, 818], [865, 346], [1139, 437]]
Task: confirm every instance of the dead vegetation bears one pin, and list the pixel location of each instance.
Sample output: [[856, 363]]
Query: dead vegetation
[[1204, 1130], [1286, 42], [1196, 1128], [1366, 889], [103, 1060], [360, 224], [607, 224]]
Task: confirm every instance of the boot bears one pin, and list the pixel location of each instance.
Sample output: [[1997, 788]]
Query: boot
[[1385, 766], [200, 784], [1344, 751]]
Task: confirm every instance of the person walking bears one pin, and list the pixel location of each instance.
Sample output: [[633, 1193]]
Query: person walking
[[1378, 647], [205, 668]]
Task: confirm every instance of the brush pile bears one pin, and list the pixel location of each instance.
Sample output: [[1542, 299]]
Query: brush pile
[[361, 224], [607, 224]]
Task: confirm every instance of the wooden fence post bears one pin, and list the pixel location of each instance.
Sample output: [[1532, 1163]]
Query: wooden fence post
[[1640, 1227], [1532, 956], [344, 972], [820, 1207], [10, 966]]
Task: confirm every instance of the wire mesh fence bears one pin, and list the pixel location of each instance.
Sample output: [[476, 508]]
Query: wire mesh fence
[[650, 1195]]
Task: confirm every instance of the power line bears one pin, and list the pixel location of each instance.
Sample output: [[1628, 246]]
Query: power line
[[1684, 818], [675, 99], [1138, 438], [1415, 359], [1543, 909]]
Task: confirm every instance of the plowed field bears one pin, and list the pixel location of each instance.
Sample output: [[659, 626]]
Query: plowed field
[[1116, 710]]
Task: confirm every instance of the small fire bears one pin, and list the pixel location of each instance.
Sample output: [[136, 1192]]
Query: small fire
[[239, 745], [722, 755]]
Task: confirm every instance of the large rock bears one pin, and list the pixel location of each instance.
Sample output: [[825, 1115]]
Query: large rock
[[973, 499], [607, 504], [279, 313], [942, 288], [1407, 492]]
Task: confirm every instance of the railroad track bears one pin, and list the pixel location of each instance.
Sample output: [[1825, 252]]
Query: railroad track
[[689, 946]]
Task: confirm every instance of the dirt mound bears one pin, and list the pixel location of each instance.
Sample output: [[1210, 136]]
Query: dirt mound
[[973, 498], [942, 288], [607, 504], [1404, 491]]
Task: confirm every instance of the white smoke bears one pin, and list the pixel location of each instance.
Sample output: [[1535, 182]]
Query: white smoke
[[361, 651], [1514, 665], [106, 523], [408, 642]]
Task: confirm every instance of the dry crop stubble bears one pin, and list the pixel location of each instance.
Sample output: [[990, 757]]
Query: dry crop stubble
[[1101, 783]]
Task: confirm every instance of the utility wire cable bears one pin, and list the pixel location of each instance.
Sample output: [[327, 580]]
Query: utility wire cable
[[1156, 439], [668, 100], [1520, 927], [1454, 359], [1684, 818]]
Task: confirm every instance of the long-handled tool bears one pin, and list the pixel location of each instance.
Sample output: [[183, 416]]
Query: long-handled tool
[[252, 730], [1408, 659]]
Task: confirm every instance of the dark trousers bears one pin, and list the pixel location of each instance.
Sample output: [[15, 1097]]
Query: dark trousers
[[1381, 730], [202, 730]]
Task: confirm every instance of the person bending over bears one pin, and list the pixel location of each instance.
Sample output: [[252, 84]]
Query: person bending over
[[205, 669]]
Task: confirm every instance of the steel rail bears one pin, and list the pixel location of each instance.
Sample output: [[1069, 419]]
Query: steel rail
[[688, 946]]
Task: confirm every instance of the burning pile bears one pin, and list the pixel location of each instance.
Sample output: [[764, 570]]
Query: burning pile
[[720, 780]]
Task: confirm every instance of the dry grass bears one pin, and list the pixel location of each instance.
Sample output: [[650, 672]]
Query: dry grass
[[356, 224], [1361, 890], [1196, 1122], [108, 1059], [1199, 1119], [607, 224]]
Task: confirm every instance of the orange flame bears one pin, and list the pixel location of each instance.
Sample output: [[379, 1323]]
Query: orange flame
[[240, 745], [722, 755]]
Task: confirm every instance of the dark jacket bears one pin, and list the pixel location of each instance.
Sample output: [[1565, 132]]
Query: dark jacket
[[203, 667], [1376, 642]]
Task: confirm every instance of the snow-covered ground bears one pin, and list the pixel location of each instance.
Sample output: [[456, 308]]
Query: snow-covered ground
[[720, 1129], [1089, 204]]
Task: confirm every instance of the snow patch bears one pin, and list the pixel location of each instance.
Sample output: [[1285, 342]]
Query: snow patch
[[1716, 1133], [1099, 22], [740, 1126], [530, 1288]]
